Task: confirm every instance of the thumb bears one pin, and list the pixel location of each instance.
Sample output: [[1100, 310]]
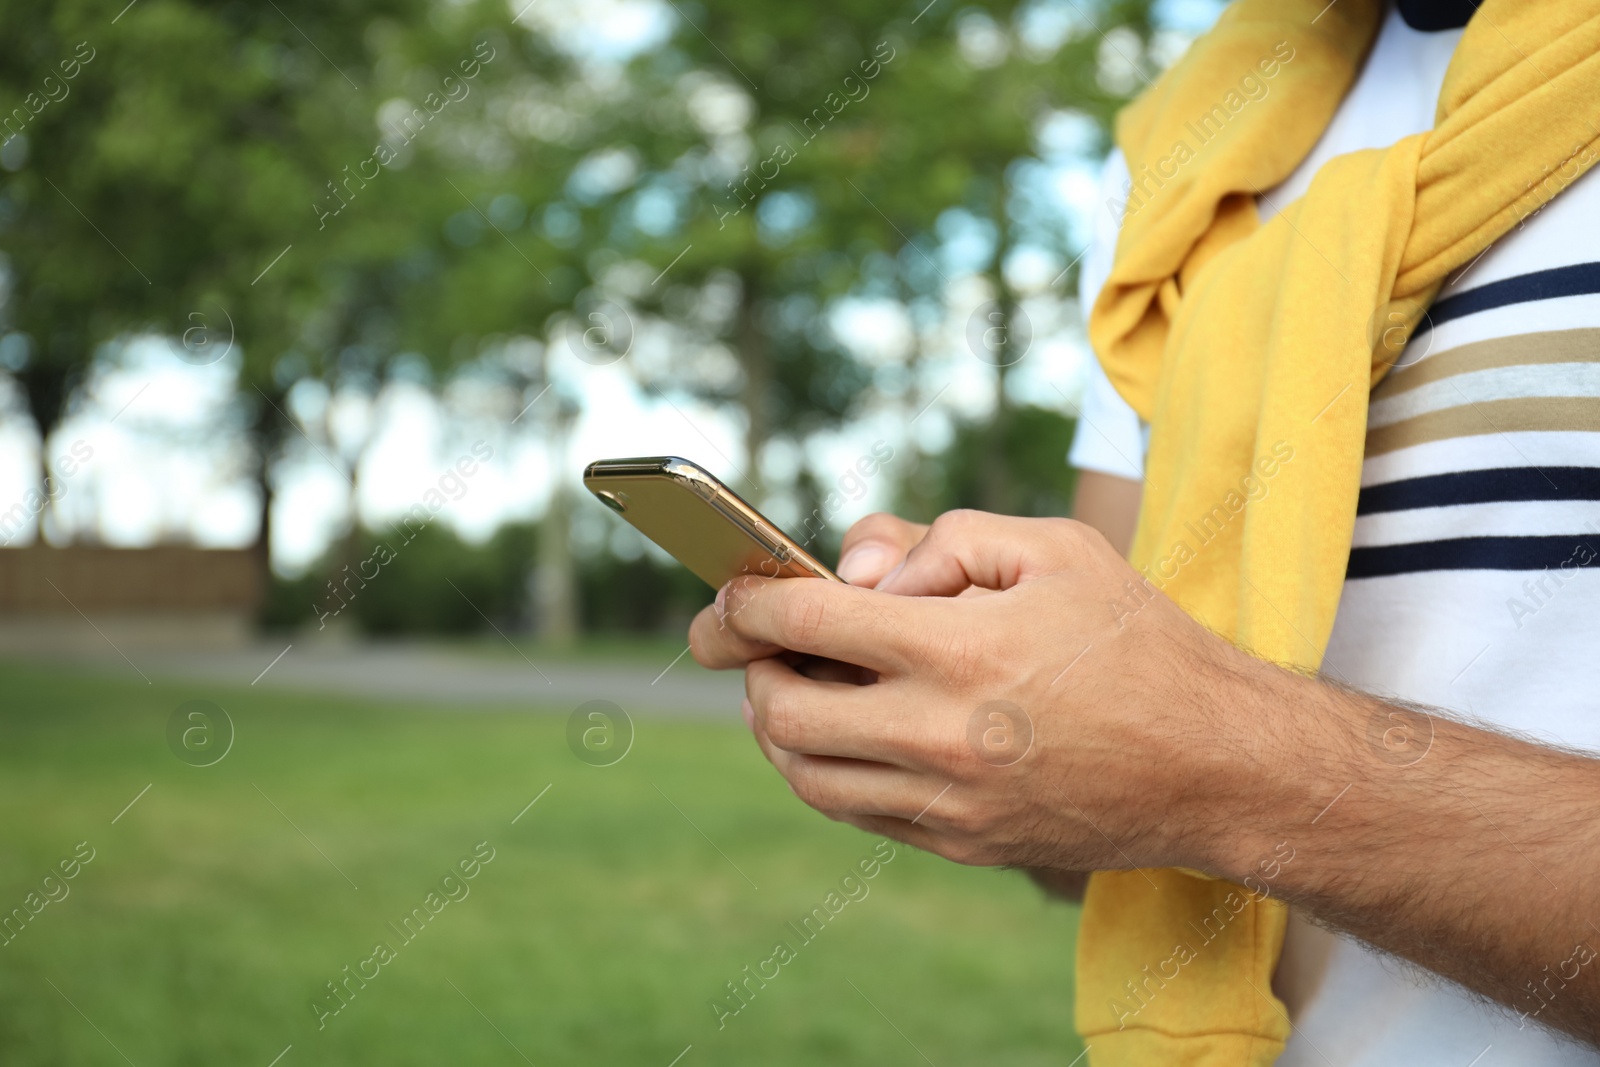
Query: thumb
[[974, 548], [874, 546]]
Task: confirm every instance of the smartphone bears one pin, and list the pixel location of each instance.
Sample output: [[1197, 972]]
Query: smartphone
[[700, 522]]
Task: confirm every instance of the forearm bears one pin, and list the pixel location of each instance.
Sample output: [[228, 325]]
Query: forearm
[[1473, 854]]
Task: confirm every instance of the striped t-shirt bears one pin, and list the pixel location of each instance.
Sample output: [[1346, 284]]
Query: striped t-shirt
[[1474, 575]]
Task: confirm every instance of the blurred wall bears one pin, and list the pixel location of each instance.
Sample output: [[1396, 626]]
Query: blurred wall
[[165, 595]]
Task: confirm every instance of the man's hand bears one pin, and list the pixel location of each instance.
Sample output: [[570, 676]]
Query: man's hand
[[1036, 726], [1077, 719]]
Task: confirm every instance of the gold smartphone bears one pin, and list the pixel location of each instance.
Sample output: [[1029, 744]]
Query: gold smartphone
[[699, 521]]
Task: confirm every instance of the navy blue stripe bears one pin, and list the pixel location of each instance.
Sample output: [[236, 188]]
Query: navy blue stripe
[[1576, 280], [1493, 485], [1476, 554]]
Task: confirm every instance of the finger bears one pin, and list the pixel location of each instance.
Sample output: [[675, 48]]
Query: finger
[[902, 830], [822, 718], [827, 670], [844, 788], [941, 841], [827, 619], [874, 546], [713, 644], [974, 548]]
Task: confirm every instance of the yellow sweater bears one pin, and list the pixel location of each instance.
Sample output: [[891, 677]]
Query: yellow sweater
[[1238, 341]]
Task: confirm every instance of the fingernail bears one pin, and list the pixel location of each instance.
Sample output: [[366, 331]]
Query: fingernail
[[749, 713], [722, 600], [888, 579], [861, 562]]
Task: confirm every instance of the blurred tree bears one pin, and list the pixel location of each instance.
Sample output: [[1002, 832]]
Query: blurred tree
[[157, 192], [299, 182], [433, 583], [659, 597], [1033, 441], [436, 582], [733, 205], [962, 121], [784, 150], [153, 192], [494, 293], [287, 176]]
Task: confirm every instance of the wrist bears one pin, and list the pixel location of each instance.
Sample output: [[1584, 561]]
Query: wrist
[[1285, 748]]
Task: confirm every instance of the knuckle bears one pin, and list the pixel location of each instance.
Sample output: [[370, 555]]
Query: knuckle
[[954, 523], [783, 721], [1072, 532], [965, 851], [806, 781], [973, 823], [1060, 526]]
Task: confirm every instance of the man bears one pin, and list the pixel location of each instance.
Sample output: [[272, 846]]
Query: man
[[1467, 840]]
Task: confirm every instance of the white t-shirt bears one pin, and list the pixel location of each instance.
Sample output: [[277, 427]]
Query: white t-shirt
[[1474, 578]]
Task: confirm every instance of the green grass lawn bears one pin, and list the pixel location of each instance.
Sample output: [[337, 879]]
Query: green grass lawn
[[601, 931]]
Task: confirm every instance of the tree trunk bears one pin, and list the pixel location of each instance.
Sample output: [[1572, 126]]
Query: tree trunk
[[555, 593], [46, 381], [554, 582], [909, 473], [755, 357], [48, 507], [345, 553], [994, 487], [351, 548], [263, 543], [266, 431]]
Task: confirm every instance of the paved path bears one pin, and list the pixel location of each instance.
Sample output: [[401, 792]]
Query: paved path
[[437, 675]]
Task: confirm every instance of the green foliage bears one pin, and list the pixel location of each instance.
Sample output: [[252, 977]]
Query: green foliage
[[412, 582], [437, 583], [209, 161], [1033, 443], [211, 170], [638, 595], [866, 126]]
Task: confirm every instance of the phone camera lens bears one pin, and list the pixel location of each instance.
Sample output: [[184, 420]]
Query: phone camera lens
[[617, 502]]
